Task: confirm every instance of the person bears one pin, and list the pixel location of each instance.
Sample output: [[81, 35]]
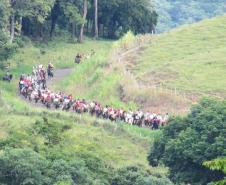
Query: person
[[50, 69], [8, 77], [78, 58], [155, 123]]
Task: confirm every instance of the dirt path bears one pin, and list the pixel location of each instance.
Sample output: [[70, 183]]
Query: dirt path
[[59, 74]]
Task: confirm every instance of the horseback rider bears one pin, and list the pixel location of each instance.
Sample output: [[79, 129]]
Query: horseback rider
[[50, 68], [8, 77], [78, 58]]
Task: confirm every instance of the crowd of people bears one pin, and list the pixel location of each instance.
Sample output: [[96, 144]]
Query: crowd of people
[[34, 88]]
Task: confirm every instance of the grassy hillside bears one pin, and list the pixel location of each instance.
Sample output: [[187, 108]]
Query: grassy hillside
[[118, 145], [191, 58], [111, 81]]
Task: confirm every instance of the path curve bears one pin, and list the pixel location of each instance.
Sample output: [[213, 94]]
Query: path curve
[[60, 74]]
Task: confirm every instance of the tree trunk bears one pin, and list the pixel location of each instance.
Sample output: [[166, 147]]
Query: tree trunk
[[96, 34], [53, 25], [73, 31], [12, 28], [20, 26], [84, 19]]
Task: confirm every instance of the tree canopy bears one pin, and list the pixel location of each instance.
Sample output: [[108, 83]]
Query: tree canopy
[[188, 142], [42, 19]]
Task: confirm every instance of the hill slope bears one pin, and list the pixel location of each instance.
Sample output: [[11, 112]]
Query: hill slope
[[117, 145], [176, 13], [191, 58]]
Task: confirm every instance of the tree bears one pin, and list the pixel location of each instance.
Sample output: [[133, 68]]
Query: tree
[[71, 13], [23, 166], [188, 142], [175, 13], [96, 18], [38, 9], [134, 175], [120, 16], [217, 164], [85, 7]]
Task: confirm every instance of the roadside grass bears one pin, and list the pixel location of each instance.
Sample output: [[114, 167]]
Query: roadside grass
[[191, 58]]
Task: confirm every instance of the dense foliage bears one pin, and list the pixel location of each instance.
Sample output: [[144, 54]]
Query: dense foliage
[[173, 13], [134, 175], [188, 142], [43, 154], [42, 19], [220, 165]]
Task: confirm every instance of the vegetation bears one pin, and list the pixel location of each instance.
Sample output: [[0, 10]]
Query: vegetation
[[61, 148], [188, 142], [175, 13], [190, 59], [56, 147], [97, 78], [217, 164], [68, 145]]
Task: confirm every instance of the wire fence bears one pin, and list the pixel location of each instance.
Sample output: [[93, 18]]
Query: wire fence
[[141, 41]]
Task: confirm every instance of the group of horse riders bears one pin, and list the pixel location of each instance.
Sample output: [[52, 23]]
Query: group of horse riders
[[35, 89], [37, 80]]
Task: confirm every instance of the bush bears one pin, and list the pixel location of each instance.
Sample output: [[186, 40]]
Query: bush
[[135, 175], [187, 142], [6, 52], [125, 41], [23, 166]]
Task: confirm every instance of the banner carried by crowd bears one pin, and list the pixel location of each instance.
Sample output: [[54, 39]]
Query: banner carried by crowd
[[34, 88]]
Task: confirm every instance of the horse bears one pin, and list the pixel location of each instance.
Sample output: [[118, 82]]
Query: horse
[[56, 102], [98, 110], [129, 118], [7, 78], [67, 104], [78, 59], [50, 73], [113, 116], [34, 96]]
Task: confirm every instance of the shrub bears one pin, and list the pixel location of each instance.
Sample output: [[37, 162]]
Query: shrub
[[23, 166], [135, 175], [187, 142]]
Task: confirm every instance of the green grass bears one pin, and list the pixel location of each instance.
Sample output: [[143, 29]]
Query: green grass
[[94, 80], [191, 58], [59, 52], [117, 144]]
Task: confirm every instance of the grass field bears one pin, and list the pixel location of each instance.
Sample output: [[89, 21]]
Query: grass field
[[117, 144], [191, 58]]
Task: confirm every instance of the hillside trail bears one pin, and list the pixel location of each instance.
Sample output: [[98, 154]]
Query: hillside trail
[[130, 59], [59, 74], [127, 59], [159, 98]]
